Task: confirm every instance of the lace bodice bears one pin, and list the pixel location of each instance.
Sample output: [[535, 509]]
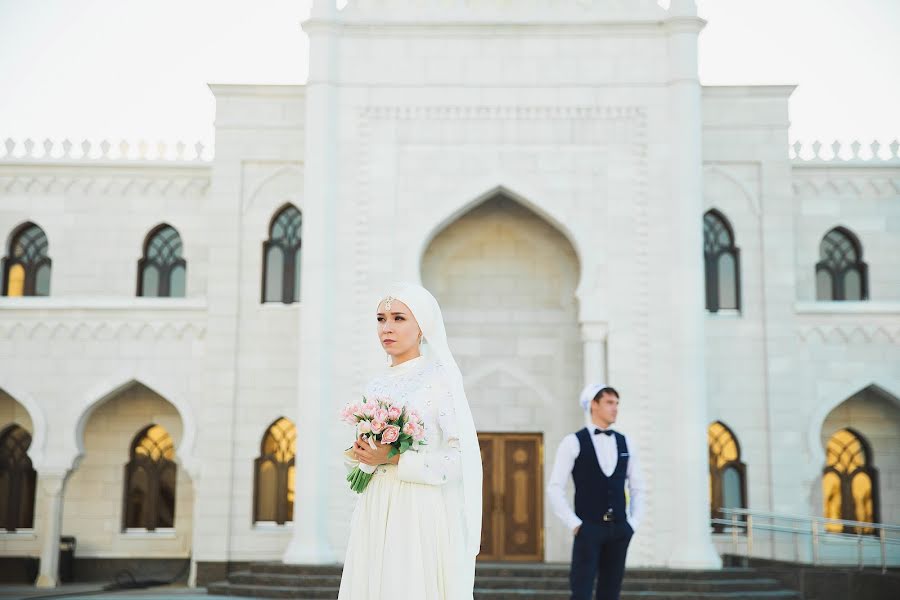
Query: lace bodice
[[422, 385]]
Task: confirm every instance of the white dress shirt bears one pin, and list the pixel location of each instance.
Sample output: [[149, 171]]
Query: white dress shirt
[[608, 457]]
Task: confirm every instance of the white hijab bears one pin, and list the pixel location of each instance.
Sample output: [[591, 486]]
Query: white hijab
[[435, 348]]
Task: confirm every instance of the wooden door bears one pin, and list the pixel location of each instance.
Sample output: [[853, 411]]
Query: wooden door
[[513, 521]]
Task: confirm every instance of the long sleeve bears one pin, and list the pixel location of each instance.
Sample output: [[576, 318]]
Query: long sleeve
[[556, 488], [438, 462], [349, 460], [637, 489]]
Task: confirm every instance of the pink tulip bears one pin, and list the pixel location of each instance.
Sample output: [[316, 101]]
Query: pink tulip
[[377, 427], [363, 427], [380, 414], [394, 413], [390, 435]]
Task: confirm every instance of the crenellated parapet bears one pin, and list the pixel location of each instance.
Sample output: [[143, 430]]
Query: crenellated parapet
[[846, 170], [65, 151], [837, 153], [104, 169]]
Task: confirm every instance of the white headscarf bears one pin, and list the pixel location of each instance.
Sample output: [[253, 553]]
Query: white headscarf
[[427, 312]]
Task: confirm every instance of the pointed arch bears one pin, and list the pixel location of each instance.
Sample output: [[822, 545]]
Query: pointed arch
[[38, 420], [26, 266], [744, 190], [727, 472], [528, 240], [162, 270], [285, 182], [722, 260], [150, 481], [841, 273], [18, 479], [832, 397], [273, 473], [281, 256], [105, 391], [850, 486], [481, 198]]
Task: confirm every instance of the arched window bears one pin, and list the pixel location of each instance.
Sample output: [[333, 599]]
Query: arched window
[[849, 481], [162, 270], [273, 497], [17, 480], [26, 266], [150, 481], [722, 260], [841, 273], [281, 257], [727, 474]]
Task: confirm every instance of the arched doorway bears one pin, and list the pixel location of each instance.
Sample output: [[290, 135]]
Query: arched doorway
[[861, 437], [18, 479], [506, 280], [129, 497]]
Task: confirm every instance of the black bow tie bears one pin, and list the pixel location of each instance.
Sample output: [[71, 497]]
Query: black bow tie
[[606, 431]]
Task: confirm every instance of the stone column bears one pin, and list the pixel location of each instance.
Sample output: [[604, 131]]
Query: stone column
[[593, 338], [309, 543], [691, 542], [50, 485]]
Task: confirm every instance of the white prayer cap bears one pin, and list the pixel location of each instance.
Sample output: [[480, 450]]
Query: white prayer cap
[[588, 393]]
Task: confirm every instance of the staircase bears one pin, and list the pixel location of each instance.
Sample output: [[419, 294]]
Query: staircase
[[517, 581]]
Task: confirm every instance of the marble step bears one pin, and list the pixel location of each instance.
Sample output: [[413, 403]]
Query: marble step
[[315, 593], [521, 581]]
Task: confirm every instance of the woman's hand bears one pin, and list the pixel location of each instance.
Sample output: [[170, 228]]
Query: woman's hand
[[379, 456]]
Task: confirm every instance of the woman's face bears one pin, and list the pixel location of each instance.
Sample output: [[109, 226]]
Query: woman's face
[[398, 330]]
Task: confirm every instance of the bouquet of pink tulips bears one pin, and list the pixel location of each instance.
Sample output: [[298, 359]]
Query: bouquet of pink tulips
[[380, 421]]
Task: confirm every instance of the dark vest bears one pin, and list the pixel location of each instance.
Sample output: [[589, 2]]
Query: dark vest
[[595, 493]]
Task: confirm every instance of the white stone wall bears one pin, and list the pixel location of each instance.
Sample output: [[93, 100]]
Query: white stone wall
[[268, 163], [862, 196], [747, 179], [97, 219]]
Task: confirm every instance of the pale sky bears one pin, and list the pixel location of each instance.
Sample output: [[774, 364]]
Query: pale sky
[[138, 69]]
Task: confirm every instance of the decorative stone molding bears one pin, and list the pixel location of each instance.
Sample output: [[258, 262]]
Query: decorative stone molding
[[846, 183], [79, 329], [104, 152], [849, 334], [167, 183], [494, 112], [102, 318], [712, 169], [840, 154]]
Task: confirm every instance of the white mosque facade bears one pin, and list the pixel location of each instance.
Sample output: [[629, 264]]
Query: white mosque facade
[[178, 332]]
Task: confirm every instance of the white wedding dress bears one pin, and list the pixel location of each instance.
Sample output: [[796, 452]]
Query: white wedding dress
[[406, 533]]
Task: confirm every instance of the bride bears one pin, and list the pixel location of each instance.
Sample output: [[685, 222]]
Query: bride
[[416, 528]]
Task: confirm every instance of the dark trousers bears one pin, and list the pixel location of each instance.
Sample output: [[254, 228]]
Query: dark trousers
[[598, 553]]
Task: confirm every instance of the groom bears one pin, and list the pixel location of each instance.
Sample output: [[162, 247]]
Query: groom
[[601, 461]]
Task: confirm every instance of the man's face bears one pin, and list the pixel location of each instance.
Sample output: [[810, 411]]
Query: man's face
[[606, 408]]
